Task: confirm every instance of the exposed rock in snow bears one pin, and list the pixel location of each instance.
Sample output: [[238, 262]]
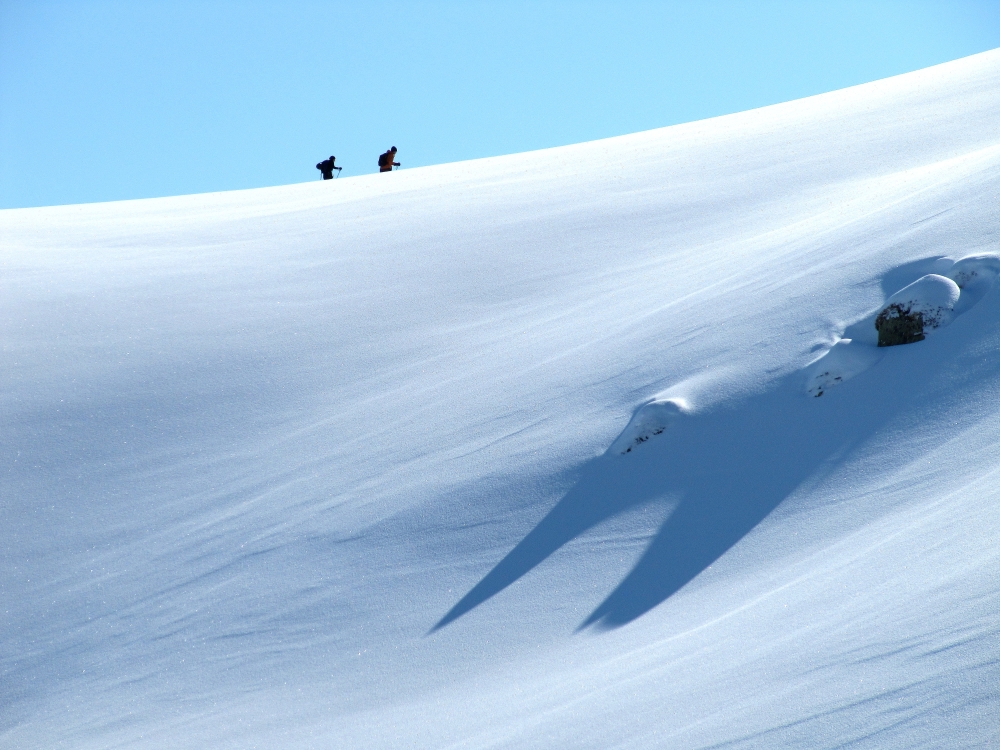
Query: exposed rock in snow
[[897, 325], [911, 312], [907, 316]]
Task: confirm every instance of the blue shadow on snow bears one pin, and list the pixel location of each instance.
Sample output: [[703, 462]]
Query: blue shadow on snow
[[724, 470]]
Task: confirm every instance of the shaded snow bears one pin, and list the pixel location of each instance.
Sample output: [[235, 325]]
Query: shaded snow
[[340, 464]]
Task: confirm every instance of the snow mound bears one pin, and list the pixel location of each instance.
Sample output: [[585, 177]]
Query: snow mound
[[649, 420], [841, 362], [975, 270], [975, 276]]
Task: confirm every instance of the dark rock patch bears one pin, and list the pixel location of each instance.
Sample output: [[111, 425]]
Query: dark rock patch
[[899, 325]]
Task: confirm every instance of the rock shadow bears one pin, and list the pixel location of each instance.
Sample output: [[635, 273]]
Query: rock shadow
[[724, 471], [903, 275]]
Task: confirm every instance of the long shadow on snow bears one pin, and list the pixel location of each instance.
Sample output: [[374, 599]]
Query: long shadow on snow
[[724, 470]]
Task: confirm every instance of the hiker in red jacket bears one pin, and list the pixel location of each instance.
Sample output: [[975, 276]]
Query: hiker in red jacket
[[385, 161]]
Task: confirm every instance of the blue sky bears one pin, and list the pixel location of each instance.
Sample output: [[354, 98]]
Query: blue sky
[[113, 100]]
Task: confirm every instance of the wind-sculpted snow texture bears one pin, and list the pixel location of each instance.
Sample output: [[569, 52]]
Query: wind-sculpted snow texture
[[347, 464]]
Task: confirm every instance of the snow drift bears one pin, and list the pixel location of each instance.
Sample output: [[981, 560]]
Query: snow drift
[[346, 464]]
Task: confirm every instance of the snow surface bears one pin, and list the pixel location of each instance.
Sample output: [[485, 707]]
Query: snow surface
[[340, 464]]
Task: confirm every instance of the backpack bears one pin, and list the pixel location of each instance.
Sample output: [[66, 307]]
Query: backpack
[[383, 159]]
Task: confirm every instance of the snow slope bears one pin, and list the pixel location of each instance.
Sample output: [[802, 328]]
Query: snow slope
[[521, 452]]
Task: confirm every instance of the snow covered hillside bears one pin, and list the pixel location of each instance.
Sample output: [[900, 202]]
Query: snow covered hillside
[[587, 447]]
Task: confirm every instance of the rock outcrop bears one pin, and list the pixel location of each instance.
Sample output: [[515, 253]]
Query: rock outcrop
[[911, 312]]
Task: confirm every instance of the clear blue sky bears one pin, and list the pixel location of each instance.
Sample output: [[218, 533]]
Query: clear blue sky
[[110, 100]]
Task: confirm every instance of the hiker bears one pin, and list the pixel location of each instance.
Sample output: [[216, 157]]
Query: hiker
[[385, 161], [327, 166]]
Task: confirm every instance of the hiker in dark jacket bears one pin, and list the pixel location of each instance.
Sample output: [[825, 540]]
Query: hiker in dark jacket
[[327, 166], [385, 161]]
